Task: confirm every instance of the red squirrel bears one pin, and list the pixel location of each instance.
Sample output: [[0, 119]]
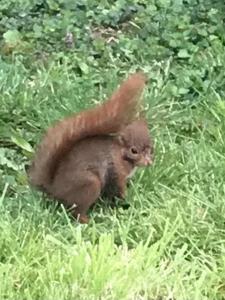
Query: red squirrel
[[94, 151]]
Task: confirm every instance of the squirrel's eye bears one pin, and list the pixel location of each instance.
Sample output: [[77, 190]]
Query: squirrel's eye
[[133, 150]]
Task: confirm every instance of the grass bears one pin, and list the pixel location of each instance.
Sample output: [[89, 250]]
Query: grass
[[170, 242]]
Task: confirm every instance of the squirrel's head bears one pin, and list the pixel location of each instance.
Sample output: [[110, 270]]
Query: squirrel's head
[[136, 143]]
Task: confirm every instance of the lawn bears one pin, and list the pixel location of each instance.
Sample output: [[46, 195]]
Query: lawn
[[57, 57]]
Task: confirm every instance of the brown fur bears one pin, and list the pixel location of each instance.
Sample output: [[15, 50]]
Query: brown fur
[[79, 159]]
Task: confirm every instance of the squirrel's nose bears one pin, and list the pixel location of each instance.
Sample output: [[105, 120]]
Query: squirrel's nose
[[148, 160]]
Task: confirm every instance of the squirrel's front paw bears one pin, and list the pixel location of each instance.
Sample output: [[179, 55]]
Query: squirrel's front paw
[[122, 194]]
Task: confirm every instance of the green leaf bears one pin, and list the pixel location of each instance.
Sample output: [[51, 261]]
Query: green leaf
[[84, 67], [183, 91], [12, 37], [4, 161], [37, 30], [19, 141], [183, 53]]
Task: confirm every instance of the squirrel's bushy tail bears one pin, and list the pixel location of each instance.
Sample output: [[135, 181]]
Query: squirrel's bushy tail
[[107, 118]]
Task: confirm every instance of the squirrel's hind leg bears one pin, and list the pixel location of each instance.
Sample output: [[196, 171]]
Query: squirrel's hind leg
[[83, 194]]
